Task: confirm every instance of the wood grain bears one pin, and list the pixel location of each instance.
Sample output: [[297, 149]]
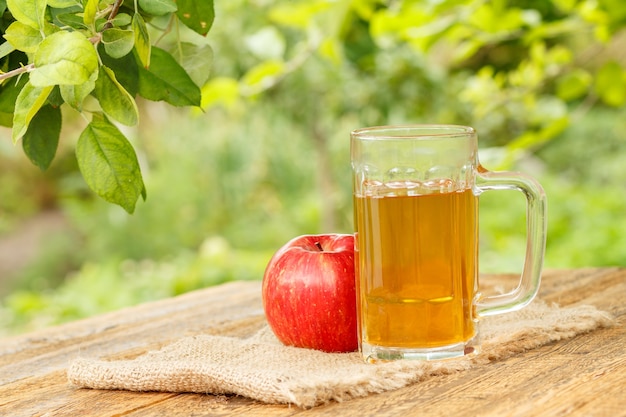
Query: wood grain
[[583, 376]]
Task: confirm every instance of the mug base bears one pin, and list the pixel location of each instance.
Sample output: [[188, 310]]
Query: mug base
[[377, 354]]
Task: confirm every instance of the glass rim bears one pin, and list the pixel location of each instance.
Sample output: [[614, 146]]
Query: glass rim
[[413, 131]]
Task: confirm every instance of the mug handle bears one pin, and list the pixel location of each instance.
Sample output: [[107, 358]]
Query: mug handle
[[536, 226]]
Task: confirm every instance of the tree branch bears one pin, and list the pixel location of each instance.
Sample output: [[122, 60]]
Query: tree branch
[[17, 71], [114, 11]]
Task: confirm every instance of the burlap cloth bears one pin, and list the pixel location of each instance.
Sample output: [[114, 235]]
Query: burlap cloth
[[261, 368]]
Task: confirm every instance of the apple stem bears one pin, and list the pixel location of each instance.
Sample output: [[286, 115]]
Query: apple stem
[[319, 246]]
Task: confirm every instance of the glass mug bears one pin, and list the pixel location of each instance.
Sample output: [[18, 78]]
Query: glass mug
[[416, 194]]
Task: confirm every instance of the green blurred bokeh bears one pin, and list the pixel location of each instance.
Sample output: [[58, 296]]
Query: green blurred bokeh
[[230, 184]]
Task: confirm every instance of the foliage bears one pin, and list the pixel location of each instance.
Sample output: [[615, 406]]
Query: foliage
[[110, 285], [249, 179], [509, 68], [203, 226], [239, 193], [265, 160], [97, 57]]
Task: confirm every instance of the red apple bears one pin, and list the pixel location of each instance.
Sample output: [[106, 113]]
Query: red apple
[[309, 293]]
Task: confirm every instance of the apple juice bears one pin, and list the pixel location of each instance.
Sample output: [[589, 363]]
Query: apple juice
[[416, 262]]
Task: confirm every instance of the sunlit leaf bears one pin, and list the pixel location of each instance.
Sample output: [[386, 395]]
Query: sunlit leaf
[[142, 40], [573, 85], [64, 58], [220, 90], [532, 138], [331, 50], [109, 164], [31, 13], [23, 37], [490, 17], [297, 14], [565, 5], [617, 13], [75, 94], [549, 30], [41, 140], [610, 84], [62, 4], [90, 10], [264, 74], [197, 15], [116, 102], [28, 102]]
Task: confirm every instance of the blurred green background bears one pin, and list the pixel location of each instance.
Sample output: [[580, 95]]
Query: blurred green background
[[267, 158]]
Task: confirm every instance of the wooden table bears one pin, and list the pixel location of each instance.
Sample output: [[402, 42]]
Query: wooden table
[[583, 376]]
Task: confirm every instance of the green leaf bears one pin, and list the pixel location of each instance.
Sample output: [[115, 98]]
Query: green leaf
[[142, 40], [119, 21], [6, 119], [611, 84], [9, 91], [72, 20], [55, 99], [297, 14], [42, 137], [492, 17], [109, 164], [122, 19], [116, 102], [167, 81], [617, 13], [259, 76], [220, 90], [118, 42], [573, 85], [158, 7], [125, 69], [64, 58], [75, 95], [62, 4], [28, 102], [5, 49], [23, 37], [31, 13], [197, 15], [89, 14], [197, 60], [531, 138]]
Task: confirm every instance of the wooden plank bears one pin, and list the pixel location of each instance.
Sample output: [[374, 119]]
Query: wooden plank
[[132, 331], [581, 376]]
